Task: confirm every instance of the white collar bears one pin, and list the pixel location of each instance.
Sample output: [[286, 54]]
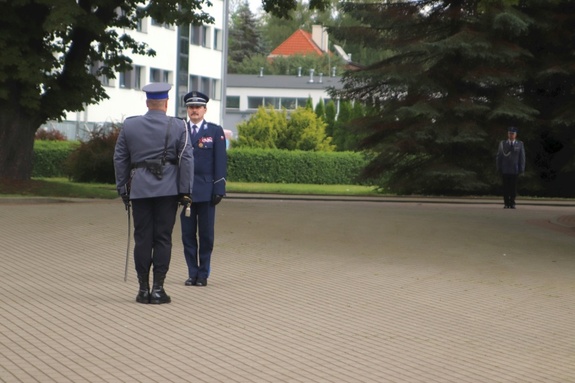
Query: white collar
[[199, 125]]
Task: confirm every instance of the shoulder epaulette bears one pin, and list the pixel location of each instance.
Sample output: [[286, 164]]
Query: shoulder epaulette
[[213, 125]]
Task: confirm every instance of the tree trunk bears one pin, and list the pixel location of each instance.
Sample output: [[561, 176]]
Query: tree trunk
[[17, 131]]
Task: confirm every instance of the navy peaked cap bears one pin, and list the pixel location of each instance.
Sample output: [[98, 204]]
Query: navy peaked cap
[[512, 129], [157, 90], [196, 98]]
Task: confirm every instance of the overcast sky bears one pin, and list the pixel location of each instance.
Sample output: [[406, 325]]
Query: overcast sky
[[254, 4]]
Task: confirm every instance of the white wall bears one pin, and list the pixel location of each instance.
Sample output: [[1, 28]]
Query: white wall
[[123, 103]]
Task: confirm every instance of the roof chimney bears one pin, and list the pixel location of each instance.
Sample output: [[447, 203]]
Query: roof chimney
[[261, 72], [321, 78], [332, 71], [320, 37], [311, 75], [299, 71]]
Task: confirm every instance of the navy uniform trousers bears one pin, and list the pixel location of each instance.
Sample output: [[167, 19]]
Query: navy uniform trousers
[[198, 256], [509, 189]]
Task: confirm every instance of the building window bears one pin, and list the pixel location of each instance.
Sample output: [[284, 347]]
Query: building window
[[205, 37], [161, 25], [288, 103], [194, 82], [196, 35], [95, 70], [125, 79], [155, 75], [138, 75], [273, 102], [185, 48], [200, 35], [205, 86], [208, 86], [218, 43], [255, 102], [233, 102], [160, 75], [131, 79], [216, 90], [277, 102], [141, 26]]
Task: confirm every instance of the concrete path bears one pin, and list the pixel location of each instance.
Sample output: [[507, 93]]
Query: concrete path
[[302, 290]]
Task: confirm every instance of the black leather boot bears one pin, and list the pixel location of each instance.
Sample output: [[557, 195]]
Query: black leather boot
[[144, 292], [158, 295]]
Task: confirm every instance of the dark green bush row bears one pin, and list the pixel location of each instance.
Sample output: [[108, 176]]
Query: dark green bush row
[[50, 157], [94, 162], [304, 167]]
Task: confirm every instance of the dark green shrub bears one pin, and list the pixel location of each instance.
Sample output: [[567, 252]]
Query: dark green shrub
[[50, 157], [93, 161]]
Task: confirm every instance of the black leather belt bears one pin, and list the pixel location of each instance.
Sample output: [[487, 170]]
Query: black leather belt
[[143, 164]]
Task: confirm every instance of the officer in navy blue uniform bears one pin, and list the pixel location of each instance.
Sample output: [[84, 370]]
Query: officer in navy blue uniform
[[510, 163], [210, 161], [154, 165]]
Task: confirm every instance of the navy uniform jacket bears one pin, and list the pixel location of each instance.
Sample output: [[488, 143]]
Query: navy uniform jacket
[[511, 157], [210, 161], [142, 138]]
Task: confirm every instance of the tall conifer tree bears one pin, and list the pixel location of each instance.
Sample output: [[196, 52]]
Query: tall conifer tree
[[244, 37], [452, 84], [550, 88]]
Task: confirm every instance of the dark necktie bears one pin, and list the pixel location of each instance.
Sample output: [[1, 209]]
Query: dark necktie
[[194, 131]]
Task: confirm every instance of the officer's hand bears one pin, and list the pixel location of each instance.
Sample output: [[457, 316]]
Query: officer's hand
[[126, 200], [184, 199], [216, 199]]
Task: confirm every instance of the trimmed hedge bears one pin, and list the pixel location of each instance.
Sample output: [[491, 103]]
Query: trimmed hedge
[[244, 165], [50, 157], [302, 167]]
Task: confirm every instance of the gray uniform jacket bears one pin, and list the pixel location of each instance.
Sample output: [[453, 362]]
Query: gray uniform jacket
[[142, 138], [511, 157]]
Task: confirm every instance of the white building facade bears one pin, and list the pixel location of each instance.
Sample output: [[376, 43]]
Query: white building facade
[[187, 57]]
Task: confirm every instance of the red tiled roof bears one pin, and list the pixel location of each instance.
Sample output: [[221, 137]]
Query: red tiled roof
[[299, 43]]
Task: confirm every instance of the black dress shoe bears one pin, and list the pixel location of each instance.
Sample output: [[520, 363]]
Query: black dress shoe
[[202, 282], [190, 282]]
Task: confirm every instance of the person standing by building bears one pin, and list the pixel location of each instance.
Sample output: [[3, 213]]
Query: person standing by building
[[154, 165], [510, 163], [210, 159]]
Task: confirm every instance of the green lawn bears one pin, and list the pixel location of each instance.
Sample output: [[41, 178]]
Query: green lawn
[[62, 187]]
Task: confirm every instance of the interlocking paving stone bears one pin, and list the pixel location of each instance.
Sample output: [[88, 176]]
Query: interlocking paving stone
[[301, 291]]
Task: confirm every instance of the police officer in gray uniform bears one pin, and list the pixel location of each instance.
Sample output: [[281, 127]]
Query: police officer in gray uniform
[[210, 160], [154, 166], [510, 163]]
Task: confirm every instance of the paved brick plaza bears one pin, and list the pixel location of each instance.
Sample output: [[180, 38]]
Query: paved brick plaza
[[396, 290]]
